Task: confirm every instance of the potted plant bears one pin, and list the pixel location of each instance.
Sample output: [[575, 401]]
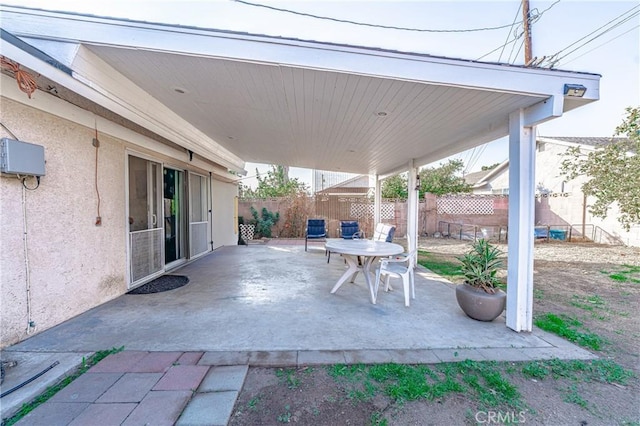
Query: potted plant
[[479, 296]]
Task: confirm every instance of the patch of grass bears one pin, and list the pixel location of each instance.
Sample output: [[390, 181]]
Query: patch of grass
[[574, 397], [349, 372], [377, 419], [449, 270], [538, 294], [618, 277], [629, 273], [289, 377], [601, 370], [569, 328], [52, 390]]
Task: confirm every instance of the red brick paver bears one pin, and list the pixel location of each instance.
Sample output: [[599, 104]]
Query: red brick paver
[[182, 377], [190, 358], [155, 362], [159, 408], [120, 362]]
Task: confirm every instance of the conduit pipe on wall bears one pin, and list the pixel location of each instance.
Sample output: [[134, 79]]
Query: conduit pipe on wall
[[31, 327]]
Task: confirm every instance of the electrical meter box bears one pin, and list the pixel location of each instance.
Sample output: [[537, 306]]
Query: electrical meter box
[[21, 158]]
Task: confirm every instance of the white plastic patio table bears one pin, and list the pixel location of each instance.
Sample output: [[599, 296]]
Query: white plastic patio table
[[368, 250]]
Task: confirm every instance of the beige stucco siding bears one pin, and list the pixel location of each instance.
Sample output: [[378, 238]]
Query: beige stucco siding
[[74, 265]]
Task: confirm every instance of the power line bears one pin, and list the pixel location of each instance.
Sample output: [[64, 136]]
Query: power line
[[600, 45], [510, 30], [554, 59], [534, 17], [388, 27]]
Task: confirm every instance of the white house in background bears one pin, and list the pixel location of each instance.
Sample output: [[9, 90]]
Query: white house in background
[[558, 201]]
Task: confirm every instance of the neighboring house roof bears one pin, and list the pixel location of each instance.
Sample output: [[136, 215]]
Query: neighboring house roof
[[356, 185], [481, 178], [580, 140]]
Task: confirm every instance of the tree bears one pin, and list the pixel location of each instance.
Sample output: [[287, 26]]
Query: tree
[[275, 184], [491, 167], [613, 172], [444, 179], [395, 186]]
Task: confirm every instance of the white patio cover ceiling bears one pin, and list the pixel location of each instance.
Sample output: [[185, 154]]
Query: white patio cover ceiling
[[235, 97]]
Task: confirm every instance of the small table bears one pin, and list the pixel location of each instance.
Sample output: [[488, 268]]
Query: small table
[[368, 250]]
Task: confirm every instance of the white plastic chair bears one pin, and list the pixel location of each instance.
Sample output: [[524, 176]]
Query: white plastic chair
[[398, 267]]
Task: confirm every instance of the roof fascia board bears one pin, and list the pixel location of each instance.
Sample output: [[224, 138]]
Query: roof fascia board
[[55, 106], [194, 140], [314, 55]]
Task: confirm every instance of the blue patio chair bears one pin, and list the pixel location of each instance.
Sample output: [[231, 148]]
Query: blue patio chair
[[316, 229], [350, 229]]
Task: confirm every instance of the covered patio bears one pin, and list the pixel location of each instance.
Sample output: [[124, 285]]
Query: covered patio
[[224, 98], [270, 305]]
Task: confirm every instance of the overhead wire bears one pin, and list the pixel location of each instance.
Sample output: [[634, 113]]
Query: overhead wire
[[389, 27], [534, 17], [515, 18], [600, 45], [554, 59]]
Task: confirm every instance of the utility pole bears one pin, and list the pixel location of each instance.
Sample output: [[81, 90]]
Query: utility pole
[[527, 32]]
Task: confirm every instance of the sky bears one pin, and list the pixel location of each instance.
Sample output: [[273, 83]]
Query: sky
[[572, 27]]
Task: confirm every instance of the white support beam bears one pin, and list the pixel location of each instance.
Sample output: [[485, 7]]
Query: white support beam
[[522, 149], [544, 111], [412, 208], [377, 201]]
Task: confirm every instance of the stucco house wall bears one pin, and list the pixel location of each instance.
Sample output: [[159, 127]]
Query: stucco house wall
[[71, 265]]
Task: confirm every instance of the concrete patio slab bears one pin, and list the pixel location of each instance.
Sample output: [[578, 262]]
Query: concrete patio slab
[[276, 298], [264, 305]]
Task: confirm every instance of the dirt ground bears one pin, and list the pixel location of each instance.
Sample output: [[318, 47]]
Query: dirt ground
[[581, 280]]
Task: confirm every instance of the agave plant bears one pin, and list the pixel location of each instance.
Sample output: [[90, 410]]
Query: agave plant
[[480, 266]]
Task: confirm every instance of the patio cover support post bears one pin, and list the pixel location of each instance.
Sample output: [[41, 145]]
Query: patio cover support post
[[522, 147], [412, 207], [377, 201]]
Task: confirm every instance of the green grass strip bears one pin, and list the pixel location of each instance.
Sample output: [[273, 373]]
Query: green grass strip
[[52, 390], [569, 328]]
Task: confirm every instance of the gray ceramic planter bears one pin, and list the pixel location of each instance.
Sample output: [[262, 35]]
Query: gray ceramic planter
[[478, 304]]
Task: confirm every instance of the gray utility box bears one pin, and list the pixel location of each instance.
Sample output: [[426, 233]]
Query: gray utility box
[[21, 158]]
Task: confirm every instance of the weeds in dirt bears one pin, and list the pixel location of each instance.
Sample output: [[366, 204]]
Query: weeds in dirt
[[602, 370], [572, 395], [631, 273], [482, 380], [377, 419], [286, 416], [288, 376], [571, 329], [52, 390]]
